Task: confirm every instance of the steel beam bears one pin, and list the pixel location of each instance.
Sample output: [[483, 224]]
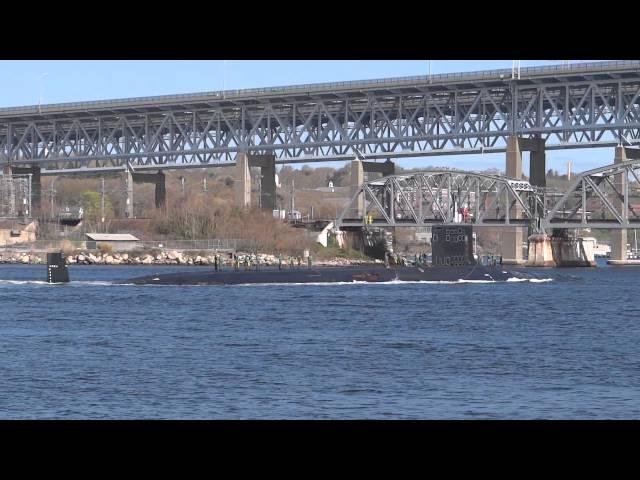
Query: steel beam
[[587, 105]]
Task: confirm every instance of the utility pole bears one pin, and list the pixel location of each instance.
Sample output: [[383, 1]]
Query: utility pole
[[51, 195], [102, 205], [293, 202], [224, 79], [40, 98], [204, 184]]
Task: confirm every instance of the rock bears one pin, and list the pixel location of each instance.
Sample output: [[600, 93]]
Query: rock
[[125, 256], [173, 255], [147, 259], [108, 260], [159, 257], [24, 259], [80, 258]]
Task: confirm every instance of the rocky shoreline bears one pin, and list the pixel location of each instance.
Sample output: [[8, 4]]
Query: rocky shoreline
[[171, 257]]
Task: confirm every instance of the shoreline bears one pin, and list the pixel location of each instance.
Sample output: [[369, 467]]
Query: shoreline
[[172, 257]]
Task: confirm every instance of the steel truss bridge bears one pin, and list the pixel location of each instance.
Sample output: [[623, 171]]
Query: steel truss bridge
[[582, 105], [606, 197]]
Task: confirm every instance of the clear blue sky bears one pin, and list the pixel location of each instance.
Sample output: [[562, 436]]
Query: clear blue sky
[[23, 82]]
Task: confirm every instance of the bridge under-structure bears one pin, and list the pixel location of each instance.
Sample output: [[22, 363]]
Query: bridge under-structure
[[603, 198], [434, 197], [542, 108]]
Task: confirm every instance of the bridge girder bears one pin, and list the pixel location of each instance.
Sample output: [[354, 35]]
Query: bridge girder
[[605, 197], [584, 105], [434, 197]]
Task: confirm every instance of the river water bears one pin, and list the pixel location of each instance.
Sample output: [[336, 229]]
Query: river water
[[564, 348]]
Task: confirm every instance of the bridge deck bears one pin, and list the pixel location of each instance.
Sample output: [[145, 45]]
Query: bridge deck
[[335, 90]]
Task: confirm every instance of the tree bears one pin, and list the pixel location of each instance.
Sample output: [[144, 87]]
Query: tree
[[91, 202]]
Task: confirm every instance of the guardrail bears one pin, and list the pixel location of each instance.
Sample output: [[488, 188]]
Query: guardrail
[[435, 78]]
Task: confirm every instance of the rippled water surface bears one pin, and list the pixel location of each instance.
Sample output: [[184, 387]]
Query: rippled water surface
[[565, 348]]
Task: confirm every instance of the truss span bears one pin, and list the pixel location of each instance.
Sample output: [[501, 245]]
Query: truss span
[[605, 197], [586, 104], [435, 197]]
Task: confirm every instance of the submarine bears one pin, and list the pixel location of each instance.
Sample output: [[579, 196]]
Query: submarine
[[452, 261]]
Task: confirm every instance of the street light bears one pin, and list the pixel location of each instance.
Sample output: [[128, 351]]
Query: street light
[[224, 78], [515, 65], [41, 84]]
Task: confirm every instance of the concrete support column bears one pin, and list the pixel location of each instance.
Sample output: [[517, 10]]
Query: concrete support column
[[537, 165], [514, 158], [619, 236], [571, 252], [161, 191], [267, 164], [512, 237], [242, 185], [158, 179], [540, 252], [129, 201], [358, 169], [357, 179], [36, 190]]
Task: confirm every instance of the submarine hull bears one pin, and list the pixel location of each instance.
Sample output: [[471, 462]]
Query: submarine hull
[[373, 274]]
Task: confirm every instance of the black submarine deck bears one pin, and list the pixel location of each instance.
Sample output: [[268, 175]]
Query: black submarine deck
[[372, 274]]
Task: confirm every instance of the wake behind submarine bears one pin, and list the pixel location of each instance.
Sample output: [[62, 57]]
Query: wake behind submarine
[[452, 260]]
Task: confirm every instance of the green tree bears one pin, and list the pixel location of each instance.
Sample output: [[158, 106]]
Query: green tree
[[92, 204]]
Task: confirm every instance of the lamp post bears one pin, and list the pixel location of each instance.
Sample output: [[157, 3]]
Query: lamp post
[[224, 78], [41, 86]]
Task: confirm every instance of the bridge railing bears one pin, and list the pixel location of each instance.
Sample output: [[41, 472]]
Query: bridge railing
[[435, 78]]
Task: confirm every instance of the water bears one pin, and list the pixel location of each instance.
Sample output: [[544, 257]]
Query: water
[[566, 348]]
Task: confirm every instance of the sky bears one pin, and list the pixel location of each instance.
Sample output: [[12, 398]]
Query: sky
[[58, 81]]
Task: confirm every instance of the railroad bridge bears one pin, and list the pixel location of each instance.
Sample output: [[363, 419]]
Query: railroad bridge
[[606, 197], [538, 109]]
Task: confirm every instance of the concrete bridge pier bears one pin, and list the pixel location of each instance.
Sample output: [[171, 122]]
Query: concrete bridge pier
[[158, 179], [513, 237], [571, 252], [359, 168], [540, 251], [128, 208], [559, 250], [267, 164]]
